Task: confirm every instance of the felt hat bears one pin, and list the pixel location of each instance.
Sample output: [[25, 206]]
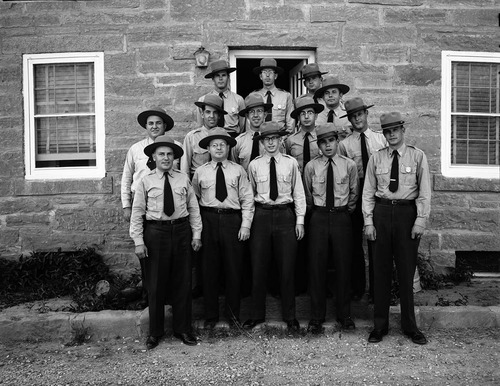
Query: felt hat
[[217, 133], [253, 100], [330, 81], [305, 102], [142, 118], [354, 105], [268, 63], [311, 69], [164, 140], [218, 66], [211, 100], [327, 130], [391, 120], [270, 128]]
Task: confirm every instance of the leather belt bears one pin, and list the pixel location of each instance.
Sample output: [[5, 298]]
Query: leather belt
[[335, 209], [273, 207], [168, 222], [385, 201], [220, 210]]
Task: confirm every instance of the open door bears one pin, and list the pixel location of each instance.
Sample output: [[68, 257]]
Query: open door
[[297, 87]]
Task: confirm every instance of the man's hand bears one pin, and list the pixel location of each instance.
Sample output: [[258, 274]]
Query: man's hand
[[243, 234], [370, 232], [141, 251], [417, 231], [127, 212], [196, 244], [299, 231]]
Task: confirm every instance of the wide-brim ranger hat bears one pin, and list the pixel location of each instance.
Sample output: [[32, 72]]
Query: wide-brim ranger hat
[[327, 130], [164, 140], [391, 120], [211, 100], [218, 66], [270, 128], [253, 100], [268, 63], [330, 81], [217, 133], [142, 118], [311, 69], [305, 102], [354, 105]]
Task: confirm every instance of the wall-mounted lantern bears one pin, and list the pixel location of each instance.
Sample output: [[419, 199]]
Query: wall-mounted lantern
[[201, 55]]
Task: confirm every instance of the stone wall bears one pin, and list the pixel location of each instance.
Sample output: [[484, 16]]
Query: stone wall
[[388, 51]]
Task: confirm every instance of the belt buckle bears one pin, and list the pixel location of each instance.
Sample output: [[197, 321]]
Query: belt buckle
[[394, 202], [332, 210], [219, 211]]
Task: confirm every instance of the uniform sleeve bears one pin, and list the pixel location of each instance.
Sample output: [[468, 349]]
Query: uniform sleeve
[[299, 197], [127, 175], [353, 187], [370, 187], [194, 212], [290, 122], [246, 199], [251, 178], [308, 173], [288, 146], [196, 183], [342, 149], [241, 106], [187, 156], [138, 211], [423, 201]]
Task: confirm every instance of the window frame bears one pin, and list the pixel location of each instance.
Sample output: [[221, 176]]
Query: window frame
[[57, 173], [447, 168]]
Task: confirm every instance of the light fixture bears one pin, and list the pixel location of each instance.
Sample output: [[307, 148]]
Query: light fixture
[[201, 55]]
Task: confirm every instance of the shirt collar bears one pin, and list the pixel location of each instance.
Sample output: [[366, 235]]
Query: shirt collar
[[277, 157], [303, 133], [161, 174], [400, 151], [325, 159], [214, 164]]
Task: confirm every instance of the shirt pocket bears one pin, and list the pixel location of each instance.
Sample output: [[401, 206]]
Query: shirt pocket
[[285, 183], [207, 190], [342, 183], [155, 200], [319, 187], [408, 174], [180, 198], [383, 176], [262, 183]]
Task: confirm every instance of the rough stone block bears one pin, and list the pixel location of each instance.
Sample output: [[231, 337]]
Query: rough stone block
[[414, 16], [174, 79], [385, 54], [45, 239], [458, 39], [166, 35], [120, 65], [107, 323], [8, 238], [427, 98], [277, 13], [28, 219], [11, 105], [36, 188], [411, 3], [441, 260], [342, 13], [160, 53], [130, 86], [88, 219], [470, 241], [462, 219], [359, 35], [25, 205], [181, 10], [417, 75], [12, 135], [446, 200], [10, 74], [117, 4], [475, 17], [457, 317], [465, 184], [11, 164], [485, 201], [154, 4]]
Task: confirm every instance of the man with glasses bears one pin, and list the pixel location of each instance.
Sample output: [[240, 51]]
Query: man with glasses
[[278, 223], [281, 100]]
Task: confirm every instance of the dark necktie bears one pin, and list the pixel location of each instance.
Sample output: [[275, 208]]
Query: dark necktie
[[168, 198], [220, 184], [273, 183], [255, 147], [307, 151], [269, 116], [364, 153], [393, 184], [330, 116], [220, 122], [330, 195]]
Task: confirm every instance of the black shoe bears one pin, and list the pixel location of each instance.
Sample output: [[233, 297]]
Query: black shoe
[[187, 338], [417, 337], [251, 323], [377, 335], [152, 342], [209, 324], [347, 324], [315, 327], [233, 322], [292, 325]]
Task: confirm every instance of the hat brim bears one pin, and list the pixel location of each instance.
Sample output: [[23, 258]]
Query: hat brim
[[281, 133], [257, 70], [227, 69], [343, 88], [318, 108], [327, 135], [393, 125], [355, 110], [201, 105], [142, 118], [205, 142], [266, 106], [312, 74], [178, 152]]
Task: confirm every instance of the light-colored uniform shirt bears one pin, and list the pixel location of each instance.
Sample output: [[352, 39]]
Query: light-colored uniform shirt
[[148, 201], [135, 168], [239, 191], [242, 151], [282, 107], [294, 145], [345, 181], [194, 156], [414, 181], [339, 111], [290, 187], [233, 103], [351, 146]]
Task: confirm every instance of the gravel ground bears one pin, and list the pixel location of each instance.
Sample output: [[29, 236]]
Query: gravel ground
[[267, 357]]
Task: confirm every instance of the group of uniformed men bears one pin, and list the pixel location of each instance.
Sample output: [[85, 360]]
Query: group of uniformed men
[[272, 170]]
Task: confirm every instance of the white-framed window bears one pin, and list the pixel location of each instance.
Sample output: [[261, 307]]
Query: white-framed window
[[64, 115], [470, 114]]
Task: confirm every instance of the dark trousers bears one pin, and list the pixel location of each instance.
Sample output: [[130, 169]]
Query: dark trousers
[[393, 224], [330, 239], [221, 252], [168, 266], [302, 262], [273, 236]]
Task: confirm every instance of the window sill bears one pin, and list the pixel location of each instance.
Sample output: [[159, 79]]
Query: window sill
[[47, 187], [465, 184]]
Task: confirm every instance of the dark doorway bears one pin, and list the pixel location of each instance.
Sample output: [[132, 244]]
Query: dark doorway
[[247, 81]]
